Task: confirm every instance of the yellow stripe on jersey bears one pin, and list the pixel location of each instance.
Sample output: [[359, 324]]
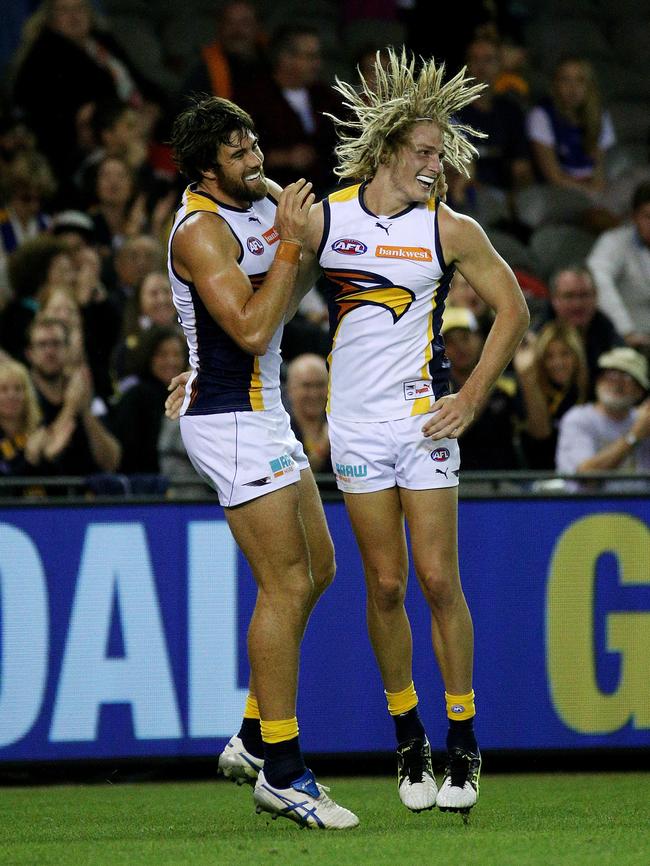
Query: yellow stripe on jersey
[[194, 201], [431, 204], [346, 194], [423, 404], [255, 388]]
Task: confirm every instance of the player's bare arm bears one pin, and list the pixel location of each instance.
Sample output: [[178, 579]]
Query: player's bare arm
[[310, 269], [205, 253], [466, 245]]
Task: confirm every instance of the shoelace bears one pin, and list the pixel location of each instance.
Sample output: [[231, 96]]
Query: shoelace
[[460, 768], [413, 762]]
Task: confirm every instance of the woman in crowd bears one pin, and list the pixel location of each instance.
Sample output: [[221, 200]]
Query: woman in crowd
[[24, 443], [570, 132], [553, 377], [137, 417], [150, 306]]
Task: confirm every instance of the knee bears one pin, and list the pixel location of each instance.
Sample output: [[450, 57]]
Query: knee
[[323, 574], [441, 588], [386, 591]]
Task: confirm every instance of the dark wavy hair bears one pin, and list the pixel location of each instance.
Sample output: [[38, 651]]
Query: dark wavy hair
[[202, 128]]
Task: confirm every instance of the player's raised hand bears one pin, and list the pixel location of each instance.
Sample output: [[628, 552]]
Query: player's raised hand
[[449, 418], [175, 400], [293, 209]]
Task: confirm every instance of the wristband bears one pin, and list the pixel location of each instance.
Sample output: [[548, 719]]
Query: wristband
[[289, 251]]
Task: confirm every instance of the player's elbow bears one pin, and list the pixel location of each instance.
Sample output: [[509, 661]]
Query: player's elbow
[[254, 344]]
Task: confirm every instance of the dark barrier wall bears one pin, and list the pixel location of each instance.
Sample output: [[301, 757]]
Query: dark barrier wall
[[123, 632]]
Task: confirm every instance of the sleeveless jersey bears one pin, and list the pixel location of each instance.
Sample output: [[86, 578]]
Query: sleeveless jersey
[[224, 377], [387, 283]]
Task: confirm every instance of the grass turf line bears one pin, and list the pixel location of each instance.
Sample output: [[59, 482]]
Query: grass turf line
[[522, 820]]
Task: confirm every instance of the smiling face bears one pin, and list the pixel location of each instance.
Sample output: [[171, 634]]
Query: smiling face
[[560, 363], [415, 166], [238, 173]]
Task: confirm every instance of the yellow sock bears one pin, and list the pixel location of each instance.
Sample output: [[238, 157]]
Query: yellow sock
[[402, 702], [279, 730], [460, 707], [251, 710]]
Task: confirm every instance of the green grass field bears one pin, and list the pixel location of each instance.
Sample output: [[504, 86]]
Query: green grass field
[[522, 820]]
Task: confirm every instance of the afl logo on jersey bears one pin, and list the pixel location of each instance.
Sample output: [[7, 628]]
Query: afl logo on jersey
[[440, 455], [349, 247], [255, 246]]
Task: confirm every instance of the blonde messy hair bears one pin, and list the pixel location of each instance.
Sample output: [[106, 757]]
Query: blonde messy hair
[[383, 115]]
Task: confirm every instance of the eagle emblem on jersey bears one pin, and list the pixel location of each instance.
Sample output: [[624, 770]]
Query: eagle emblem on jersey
[[356, 288]]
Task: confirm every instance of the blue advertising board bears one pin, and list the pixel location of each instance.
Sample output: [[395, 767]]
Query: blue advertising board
[[123, 632]]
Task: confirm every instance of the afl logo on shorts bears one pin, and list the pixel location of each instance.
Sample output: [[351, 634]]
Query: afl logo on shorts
[[255, 246], [349, 247], [440, 455]]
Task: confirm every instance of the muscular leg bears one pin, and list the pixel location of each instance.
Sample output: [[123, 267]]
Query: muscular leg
[[271, 535], [432, 521], [319, 541], [378, 524]]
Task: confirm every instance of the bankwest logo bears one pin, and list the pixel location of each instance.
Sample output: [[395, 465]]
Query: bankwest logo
[[271, 236], [418, 254]]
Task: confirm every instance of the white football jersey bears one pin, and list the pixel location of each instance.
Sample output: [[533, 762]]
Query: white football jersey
[[387, 285], [224, 377]]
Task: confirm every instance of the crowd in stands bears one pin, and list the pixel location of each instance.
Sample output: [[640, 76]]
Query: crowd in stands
[[88, 334]]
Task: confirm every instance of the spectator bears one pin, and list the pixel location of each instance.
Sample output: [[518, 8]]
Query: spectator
[[151, 306], [570, 132], [131, 263], [100, 316], [23, 440], [29, 184], [35, 266], [288, 107], [84, 445], [491, 441], [307, 396], [119, 209], [573, 301], [553, 377], [234, 59], [503, 157], [136, 419], [620, 263], [65, 64], [613, 433]]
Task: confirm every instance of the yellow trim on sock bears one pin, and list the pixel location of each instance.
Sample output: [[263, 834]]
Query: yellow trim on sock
[[279, 730], [251, 710], [402, 702], [460, 707]]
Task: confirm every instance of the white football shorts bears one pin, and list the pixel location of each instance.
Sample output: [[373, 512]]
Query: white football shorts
[[244, 455], [376, 455]]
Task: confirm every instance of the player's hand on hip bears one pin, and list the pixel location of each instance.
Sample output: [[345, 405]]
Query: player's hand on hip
[[293, 209], [449, 418], [175, 400]]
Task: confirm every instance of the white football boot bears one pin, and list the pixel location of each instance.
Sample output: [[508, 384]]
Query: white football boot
[[237, 764], [460, 786], [415, 780], [305, 802]]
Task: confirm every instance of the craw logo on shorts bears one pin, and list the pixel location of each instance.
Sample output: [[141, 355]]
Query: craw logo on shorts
[[255, 246], [281, 465], [440, 455], [347, 470], [349, 247]]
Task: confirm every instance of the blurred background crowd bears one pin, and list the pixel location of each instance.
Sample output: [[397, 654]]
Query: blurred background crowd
[[88, 334]]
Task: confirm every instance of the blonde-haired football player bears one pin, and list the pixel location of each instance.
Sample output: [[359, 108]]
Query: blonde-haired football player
[[388, 248]]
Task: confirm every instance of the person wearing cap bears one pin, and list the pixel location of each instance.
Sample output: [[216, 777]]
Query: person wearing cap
[[491, 441], [612, 433]]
